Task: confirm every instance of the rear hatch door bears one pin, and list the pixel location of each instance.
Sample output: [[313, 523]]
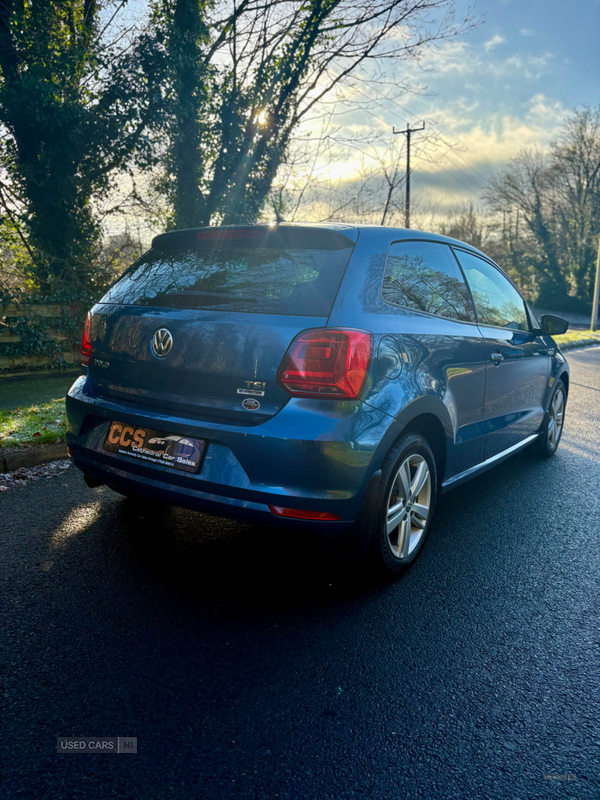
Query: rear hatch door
[[201, 322]]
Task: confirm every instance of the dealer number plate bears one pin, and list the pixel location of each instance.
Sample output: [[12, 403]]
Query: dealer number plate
[[156, 447]]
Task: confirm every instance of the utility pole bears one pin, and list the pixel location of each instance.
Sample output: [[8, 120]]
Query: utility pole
[[408, 132], [596, 292]]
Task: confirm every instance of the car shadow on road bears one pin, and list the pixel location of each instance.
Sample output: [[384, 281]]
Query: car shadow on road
[[227, 563], [202, 561]]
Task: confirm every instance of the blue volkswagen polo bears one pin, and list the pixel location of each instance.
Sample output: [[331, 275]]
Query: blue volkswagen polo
[[335, 377]]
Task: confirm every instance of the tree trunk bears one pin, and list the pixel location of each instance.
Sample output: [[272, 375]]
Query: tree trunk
[[187, 156]]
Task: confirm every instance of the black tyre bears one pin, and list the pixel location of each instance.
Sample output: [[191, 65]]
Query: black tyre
[[405, 504], [547, 444]]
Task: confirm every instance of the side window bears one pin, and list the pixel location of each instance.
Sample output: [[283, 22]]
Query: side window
[[424, 276], [496, 300]]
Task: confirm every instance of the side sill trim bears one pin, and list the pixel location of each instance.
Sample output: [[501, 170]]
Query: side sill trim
[[489, 462]]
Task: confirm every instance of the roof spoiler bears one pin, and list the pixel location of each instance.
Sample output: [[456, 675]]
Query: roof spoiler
[[287, 236]]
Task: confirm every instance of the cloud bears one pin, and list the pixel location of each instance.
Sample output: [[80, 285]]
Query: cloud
[[451, 57], [544, 110], [492, 141], [493, 42], [486, 141], [484, 101], [537, 66], [527, 32], [456, 168], [456, 58], [514, 61]]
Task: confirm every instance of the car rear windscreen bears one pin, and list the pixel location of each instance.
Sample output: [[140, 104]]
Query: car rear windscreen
[[263, 274]]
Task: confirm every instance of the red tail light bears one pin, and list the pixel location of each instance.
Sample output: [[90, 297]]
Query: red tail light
[[326, 363], [298, 513], [86, 344]]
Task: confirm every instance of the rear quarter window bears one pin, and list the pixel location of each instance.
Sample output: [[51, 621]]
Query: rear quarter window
[[425, 277]]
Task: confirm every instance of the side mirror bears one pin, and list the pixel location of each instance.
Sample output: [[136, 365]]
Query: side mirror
[[553, 326]]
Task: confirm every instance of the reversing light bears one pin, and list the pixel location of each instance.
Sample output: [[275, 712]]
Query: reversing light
[[327, 362], [300, 513], [86, 344]]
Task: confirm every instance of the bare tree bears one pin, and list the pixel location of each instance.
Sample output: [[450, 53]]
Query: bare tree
[[575, 158], [262, 69], [555, 194], [527, 185]]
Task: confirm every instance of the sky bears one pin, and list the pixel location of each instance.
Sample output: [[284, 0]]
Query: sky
[[507, 84]]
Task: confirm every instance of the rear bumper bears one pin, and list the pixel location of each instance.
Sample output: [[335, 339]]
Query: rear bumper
[[313, 455]]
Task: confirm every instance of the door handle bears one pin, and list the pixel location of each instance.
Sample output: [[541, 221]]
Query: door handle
[[497, 358]]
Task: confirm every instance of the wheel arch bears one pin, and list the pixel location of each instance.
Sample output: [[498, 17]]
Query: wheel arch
[[429, 417], [431, 429], [564, 377]]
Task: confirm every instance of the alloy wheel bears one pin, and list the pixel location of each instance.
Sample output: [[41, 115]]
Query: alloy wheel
[[408, 506], [557, 414]]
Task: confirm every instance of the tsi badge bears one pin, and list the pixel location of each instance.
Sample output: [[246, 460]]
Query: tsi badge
[[255, 388]]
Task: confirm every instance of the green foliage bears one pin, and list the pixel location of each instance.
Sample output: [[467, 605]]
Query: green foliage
[[571, 339], [15, 261], [211, 92], [189, 103], [36, 331], [73, 111], [36, 425]]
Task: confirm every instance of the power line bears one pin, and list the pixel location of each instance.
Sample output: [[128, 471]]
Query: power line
[[446, 156], [445, 141], [443, 155], [448, 144], [456, 178]]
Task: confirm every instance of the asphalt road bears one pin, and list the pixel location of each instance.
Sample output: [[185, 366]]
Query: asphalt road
[[251, 666]]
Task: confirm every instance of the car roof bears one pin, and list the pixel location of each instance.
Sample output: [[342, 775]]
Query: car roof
[[338, 227], [401, 233]]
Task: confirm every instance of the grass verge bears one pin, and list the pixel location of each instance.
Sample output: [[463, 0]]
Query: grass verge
[[33, 426], [572, 339]]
